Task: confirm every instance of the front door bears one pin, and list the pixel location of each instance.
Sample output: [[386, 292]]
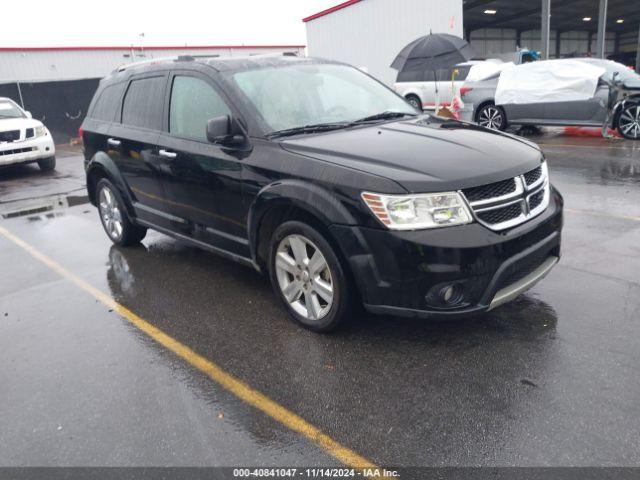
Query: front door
[[592, 111], [202, 180]]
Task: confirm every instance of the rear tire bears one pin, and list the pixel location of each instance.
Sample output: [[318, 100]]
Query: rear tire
[[629, 121], [308, 277], [114, 218], [47, 164], [414, 101], [492, 116]]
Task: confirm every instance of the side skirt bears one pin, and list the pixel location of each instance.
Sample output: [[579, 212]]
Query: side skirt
[[248, 262]]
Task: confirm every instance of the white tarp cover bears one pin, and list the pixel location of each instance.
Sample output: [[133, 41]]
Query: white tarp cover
[[486, 69], [548, 81]]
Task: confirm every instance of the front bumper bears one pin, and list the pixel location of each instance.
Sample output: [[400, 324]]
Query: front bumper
[[27, 151], [397, 272]]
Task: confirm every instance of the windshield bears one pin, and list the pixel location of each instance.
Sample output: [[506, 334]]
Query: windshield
[[300, 95], [9, 109]]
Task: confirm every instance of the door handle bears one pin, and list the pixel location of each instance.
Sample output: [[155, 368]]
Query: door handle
[[167, 154], [113, 142]]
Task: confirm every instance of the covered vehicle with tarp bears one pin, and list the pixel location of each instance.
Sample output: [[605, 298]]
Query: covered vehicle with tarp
[[565, 92], [548, 81]]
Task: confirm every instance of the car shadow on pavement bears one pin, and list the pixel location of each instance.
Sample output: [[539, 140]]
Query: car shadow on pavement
[[166, 275]]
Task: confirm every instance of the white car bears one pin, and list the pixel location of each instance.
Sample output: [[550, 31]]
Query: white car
[[423, 91], [23, 139], [432, 86]]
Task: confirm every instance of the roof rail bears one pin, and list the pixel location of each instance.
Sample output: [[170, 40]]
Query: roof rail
[[151, 61]]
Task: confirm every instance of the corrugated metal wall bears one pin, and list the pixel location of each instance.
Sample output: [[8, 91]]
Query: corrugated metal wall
[[499, 40], [50, 65], [371, 33]]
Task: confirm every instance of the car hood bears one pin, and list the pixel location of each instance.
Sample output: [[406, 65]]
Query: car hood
[[424, 155], [18, 123]]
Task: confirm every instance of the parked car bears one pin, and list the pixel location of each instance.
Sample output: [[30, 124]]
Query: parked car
[[421, 91], [480, 107], [323, 178], [23, 139]]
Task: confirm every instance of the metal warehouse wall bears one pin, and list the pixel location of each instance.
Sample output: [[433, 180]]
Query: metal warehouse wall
[[370, 33], [35, 65], [498, 40]]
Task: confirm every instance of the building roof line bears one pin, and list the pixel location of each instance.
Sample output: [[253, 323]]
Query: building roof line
[[137, 47], [330, 10]]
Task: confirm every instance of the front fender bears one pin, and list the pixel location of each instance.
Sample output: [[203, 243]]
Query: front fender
[[317, 201], [101, 164]]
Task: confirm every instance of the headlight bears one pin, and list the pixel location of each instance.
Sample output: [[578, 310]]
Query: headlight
[[41, 131], [413, 212]]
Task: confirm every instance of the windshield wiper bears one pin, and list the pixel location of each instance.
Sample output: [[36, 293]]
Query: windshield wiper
[[319, 127], [384, 116]]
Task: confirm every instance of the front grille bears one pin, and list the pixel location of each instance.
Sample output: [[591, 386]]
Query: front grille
[[522, 268], [30, 133], [500, 215], [504, 204], [536, 199], [492, 190], [16, 151], [10, 136]]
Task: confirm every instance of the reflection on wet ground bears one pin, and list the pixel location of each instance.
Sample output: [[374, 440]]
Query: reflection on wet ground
[[549, 379]]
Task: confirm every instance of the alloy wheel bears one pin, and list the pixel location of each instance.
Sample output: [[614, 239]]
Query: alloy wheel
[[110, 213], [490, 117], [304, 277], [629, 122]]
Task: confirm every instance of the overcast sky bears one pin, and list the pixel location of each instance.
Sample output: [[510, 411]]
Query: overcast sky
[[120, 22]]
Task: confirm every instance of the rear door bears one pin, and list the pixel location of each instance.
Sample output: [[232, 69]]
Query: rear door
[[202, 180], [132, 144]]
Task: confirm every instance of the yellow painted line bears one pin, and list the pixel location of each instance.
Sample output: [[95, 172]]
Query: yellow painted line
[[229, 382], [601, 214]]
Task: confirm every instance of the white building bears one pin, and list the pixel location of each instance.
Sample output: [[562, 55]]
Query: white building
[[370, 33], [45, 64]]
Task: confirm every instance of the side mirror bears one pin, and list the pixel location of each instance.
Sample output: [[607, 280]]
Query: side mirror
[[28, 114], [224, 130]]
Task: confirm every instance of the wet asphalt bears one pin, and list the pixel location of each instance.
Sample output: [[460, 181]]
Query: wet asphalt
[[550, 379]]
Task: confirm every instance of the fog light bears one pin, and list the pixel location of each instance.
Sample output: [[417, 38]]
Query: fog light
[[451, 295], [448, 295]]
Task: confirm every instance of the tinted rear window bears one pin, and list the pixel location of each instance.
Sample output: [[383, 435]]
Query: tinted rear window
[[143, 103], [107, 103]]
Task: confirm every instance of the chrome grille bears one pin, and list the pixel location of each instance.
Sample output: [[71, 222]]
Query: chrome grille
[[507, 203], [533, 176], [497, 189]]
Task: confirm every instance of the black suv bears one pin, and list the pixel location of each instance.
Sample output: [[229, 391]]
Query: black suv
[[320, 176]]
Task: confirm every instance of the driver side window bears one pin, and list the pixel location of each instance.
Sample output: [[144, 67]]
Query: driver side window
[[193, 103]]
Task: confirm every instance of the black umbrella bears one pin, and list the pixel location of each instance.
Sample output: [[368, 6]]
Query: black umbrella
[[433, 52]]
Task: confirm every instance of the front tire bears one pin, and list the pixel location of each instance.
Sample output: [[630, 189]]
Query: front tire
[[308, 277], [629, 121], [114, 218], [47, 164], [414, 101], [491, 116]]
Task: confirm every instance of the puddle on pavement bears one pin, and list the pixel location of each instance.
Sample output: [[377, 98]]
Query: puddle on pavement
[[35, 208]]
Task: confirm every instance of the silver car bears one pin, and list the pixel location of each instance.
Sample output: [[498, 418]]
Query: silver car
[[480, 107]]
